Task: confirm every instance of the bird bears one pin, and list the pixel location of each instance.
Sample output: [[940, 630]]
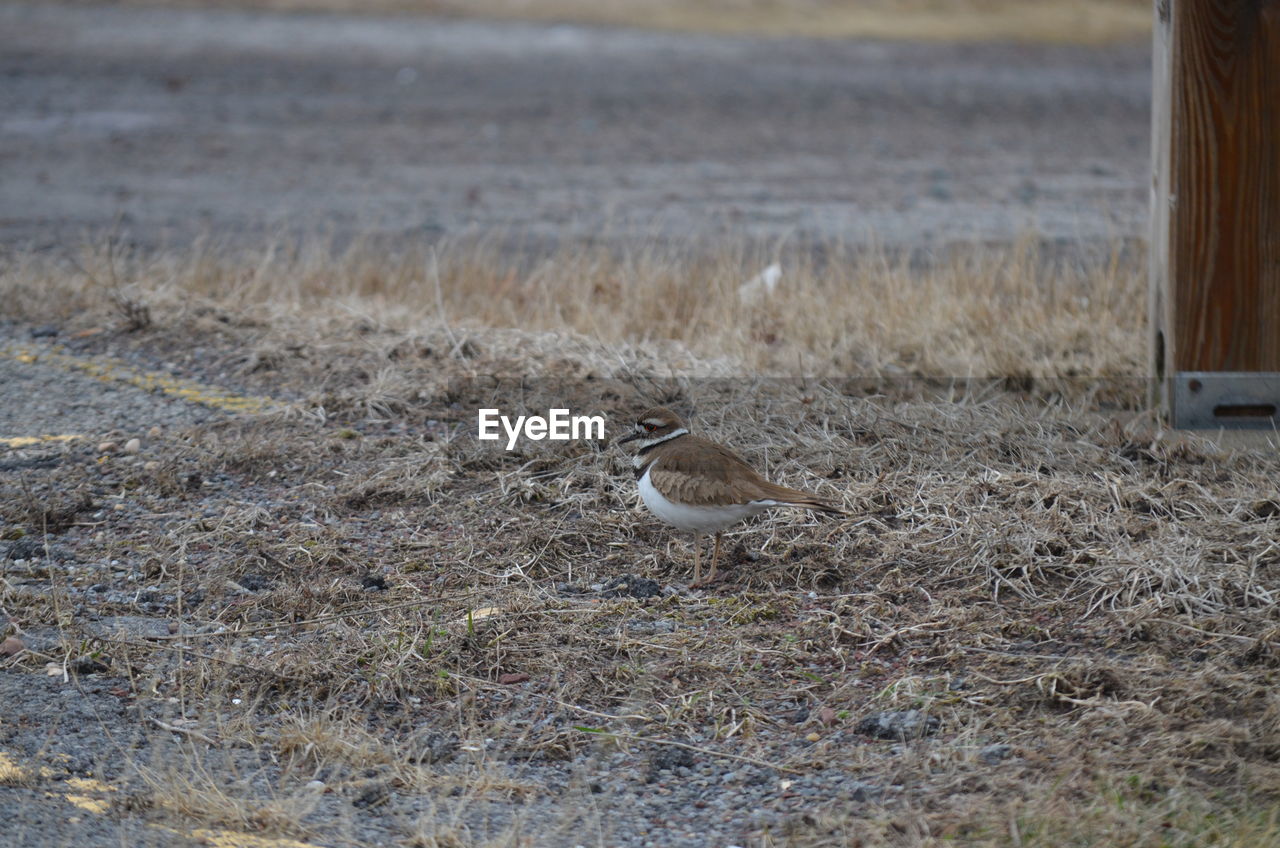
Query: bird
[[701, 487]]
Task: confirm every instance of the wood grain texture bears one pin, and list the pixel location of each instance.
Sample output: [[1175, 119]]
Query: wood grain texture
[[1159, 311], [1223, 279]]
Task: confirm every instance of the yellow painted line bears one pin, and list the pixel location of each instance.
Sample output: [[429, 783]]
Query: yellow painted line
[[12, 774], [90, 795], [111, 370], [219, 838], [89, 803], [28, 441], [97, 806], [233, 839]]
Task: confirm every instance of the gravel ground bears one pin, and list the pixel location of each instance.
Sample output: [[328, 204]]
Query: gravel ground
[[91, 727], [165, 124], [648, 797], [47, 400], [295, 532]]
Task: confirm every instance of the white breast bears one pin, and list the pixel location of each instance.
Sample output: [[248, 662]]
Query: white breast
[[695, 519]]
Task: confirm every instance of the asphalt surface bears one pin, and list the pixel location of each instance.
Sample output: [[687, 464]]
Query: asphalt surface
[[162, 125]]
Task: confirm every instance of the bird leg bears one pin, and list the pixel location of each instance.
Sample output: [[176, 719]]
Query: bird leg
[[715, 558], [697, 559]]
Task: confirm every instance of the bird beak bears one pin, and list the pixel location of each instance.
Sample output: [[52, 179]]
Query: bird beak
[[630, 438]]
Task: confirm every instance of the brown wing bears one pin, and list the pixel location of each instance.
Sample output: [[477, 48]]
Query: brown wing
[[701, 472]]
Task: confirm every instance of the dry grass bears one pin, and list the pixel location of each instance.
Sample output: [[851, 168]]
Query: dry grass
[[1059, 21], [1024, 560], [971, 313]]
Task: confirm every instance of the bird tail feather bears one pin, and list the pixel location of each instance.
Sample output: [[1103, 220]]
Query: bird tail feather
[[794, 497]]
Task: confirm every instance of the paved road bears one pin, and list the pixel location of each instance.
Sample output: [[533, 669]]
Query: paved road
[[182, 122]]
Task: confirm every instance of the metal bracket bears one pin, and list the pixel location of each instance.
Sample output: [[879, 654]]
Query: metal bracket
[[1231, 400]]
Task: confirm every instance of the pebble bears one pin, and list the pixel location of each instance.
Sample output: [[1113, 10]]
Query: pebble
[[12, 646], [857, 790], [133, 445], [899, 725], [993, 754], [107, 447], [632, 585], [662, 625]]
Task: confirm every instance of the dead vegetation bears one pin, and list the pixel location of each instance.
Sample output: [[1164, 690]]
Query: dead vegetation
[[365, 595], [965, 313]]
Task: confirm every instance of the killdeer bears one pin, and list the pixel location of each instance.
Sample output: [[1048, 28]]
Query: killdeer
[[699, 486]]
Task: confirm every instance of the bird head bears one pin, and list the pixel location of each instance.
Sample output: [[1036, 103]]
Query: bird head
[[655, 425]]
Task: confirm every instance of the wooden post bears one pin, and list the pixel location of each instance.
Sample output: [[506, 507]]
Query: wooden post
[[1215, 212]]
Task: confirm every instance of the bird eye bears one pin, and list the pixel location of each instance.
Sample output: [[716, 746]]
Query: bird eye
[[650, 427]]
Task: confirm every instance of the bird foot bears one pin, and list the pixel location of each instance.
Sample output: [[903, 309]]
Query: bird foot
[[718, 577]]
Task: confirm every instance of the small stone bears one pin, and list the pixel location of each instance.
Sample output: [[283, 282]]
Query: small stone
[[993, 754], [374, 795], [631, 585], [857, 790], [813, 737], [151, 466], [12, 646], [128, 627], [154, 433], [433, 748], [513, 677], [827, 716], [133, 445], [24, 548], [374, 582], [91, 665], [667, 759], [107, 447], [899, 725]]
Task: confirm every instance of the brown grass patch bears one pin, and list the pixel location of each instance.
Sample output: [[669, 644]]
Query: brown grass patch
[[966, 313], [1029, 558]]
